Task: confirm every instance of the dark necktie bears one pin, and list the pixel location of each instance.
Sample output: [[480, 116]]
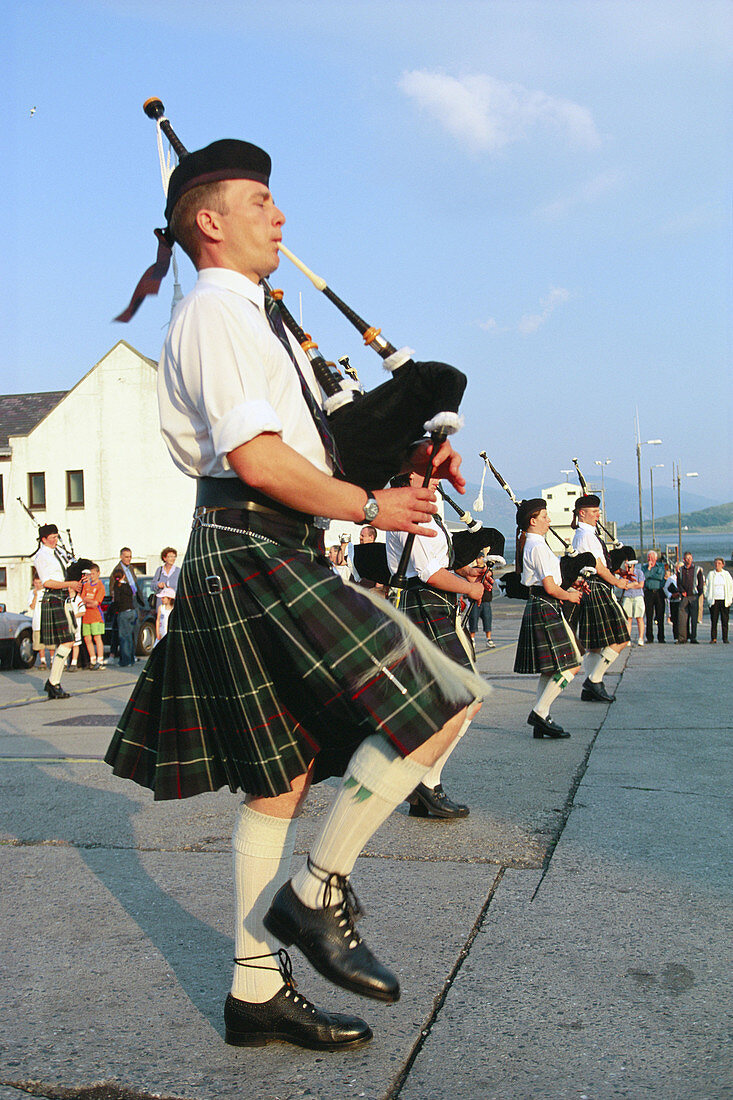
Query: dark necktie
[[319, 417], [449, 540]]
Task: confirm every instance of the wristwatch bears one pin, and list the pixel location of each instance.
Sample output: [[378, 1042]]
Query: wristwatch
[[371, 509]]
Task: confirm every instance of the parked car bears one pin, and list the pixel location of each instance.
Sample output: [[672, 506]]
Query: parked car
[[16, 640], [145, 619]]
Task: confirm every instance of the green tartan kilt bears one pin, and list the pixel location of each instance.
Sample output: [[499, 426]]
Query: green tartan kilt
[[54, 624], [546, 643], [435, 613], [598, 620], [269, 661]]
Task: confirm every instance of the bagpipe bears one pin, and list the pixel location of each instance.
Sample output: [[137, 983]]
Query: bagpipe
[[574, 568], [372, 431]]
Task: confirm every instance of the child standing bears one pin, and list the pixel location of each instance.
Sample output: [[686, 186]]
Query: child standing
[[92, 593], [167, 599]]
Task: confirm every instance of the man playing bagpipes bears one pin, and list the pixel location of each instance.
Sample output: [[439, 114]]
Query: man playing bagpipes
[[600, 624], [274, 673], [430, 599]]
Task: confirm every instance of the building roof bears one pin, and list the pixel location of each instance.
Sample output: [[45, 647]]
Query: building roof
[[20, 412]]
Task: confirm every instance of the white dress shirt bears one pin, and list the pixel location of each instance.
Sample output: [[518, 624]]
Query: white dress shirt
[[539, 562], [428, 554], [585, 540], [224, 378], [47, 565]]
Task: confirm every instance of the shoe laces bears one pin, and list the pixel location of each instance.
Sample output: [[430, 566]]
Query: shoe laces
[[349, 908], [285, 967]]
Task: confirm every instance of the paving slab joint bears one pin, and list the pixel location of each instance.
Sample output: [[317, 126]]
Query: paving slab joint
[[439, 1001]]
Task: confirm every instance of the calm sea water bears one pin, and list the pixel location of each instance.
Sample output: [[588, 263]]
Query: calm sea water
[[703, 547]]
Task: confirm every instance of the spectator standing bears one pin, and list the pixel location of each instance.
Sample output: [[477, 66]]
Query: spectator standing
[[690, 583], [672, 593], [166, 601], [34, 607], [78, 607], [339, 564], [124, 605], [92, 593], [634, 599], [719, 595], [167, 574], [654, 596]]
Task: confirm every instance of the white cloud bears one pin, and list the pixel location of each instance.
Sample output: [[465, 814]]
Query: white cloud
[[488, 114], [588, 192], [529, 323]]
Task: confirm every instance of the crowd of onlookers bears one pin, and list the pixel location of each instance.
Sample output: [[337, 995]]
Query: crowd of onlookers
[[659, 594], [123, 607]]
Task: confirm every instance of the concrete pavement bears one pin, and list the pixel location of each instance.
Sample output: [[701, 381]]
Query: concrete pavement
[[571, 938]]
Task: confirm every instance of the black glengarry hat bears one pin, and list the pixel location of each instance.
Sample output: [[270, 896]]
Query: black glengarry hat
[[590, 500], [228, 159], [525, 508]]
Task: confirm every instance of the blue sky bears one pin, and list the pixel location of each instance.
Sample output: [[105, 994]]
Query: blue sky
[[538, 192]]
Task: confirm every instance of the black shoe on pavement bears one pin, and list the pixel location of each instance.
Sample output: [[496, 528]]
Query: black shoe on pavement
[[595, 693], [434, 802], [545, 727], [694, 641], [291, 1018], [55, 691], [329, 940]]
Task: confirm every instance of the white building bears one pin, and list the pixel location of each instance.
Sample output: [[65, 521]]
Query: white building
[[560, 502], [90, 460]]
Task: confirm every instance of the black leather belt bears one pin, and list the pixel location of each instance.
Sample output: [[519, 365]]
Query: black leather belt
[[231, 493], [538, 590]]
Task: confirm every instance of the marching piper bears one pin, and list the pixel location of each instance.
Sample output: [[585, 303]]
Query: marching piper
[[546, 643], [600, 624], [51, 565], [274, 673], [430, 599]]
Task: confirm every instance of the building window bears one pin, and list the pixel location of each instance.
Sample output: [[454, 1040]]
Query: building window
[[549, 496], [2, 494], [3, 577], [36, 490], [74, 488]]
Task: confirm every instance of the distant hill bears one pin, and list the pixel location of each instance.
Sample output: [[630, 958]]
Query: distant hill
[[719, 517]]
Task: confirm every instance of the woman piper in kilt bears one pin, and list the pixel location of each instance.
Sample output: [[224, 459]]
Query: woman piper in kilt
[[599, 623], [430, 599], [274, 673], [546, 643], [50, 565]]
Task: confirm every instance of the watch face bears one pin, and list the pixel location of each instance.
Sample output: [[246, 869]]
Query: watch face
[[371, 509]]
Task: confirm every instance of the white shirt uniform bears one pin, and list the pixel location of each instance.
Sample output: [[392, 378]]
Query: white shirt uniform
[[428, 554], [539, 562], [585, 540], [47, 565], [224, 378]]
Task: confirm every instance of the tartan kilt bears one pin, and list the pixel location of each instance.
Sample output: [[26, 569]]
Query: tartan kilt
[[284, 664], [598, 620], [546, 644], [54, 624], [435, 613]]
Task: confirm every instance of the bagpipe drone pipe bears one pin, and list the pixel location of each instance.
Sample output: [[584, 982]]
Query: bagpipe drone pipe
[[372, 431]]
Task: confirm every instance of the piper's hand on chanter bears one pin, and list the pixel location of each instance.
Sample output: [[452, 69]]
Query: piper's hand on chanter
[[446, 465], [573, 595], [405, 510]]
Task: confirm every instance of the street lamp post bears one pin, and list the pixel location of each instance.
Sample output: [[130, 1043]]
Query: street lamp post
[[679, 506], [656, 466], [603, 463], [639, 444]]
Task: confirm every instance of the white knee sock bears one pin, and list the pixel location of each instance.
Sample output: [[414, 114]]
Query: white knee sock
[[600, 664], [262, 848], [432, 778], [548, 690], [58, 664], [376, 781]]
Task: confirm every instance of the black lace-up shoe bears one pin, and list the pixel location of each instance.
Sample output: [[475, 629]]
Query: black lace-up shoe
[[329, 940], [55, 691], [545, 727], [595, 693], [291, 1018], [434, 802]]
